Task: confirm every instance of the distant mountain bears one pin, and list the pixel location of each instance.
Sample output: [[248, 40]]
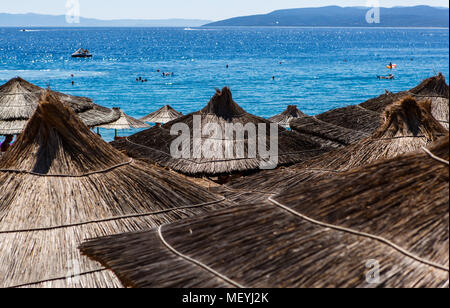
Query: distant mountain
[[335, 16], [37, 20]]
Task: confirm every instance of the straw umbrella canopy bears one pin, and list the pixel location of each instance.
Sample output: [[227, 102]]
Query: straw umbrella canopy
[[62, 184], [284, 119], [344, 126], [408, 126], [377, 213], [124, 122], [154, 144], [163, 115], [19, 100]]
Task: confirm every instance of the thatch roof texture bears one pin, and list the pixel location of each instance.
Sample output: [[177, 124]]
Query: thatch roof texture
[[154, 144], [125, 122], [284, 119], [163, 115], [404, 199], [344, 126], [408, 126], [19, 100], [61, 184], [394, 212]]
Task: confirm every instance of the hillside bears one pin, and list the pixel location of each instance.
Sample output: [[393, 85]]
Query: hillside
[[334, 16], [37, 20]]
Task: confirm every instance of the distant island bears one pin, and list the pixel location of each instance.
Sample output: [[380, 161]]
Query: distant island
[[38, 20], [335, 16]]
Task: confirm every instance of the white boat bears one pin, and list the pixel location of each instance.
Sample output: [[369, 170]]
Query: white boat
[[82, 53]]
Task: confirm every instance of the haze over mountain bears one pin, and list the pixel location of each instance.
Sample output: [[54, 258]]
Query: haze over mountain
[[335, 16], [38, 20]]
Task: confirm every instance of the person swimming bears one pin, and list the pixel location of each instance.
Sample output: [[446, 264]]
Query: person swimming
[[6, 143]]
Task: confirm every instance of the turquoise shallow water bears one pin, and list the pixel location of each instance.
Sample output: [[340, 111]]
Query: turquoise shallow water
[[321, 68]]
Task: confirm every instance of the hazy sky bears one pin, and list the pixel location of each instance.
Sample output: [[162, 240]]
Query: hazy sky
[[198, 9]]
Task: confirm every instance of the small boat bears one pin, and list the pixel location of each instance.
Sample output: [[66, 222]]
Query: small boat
[[390, 77], [82, 53]]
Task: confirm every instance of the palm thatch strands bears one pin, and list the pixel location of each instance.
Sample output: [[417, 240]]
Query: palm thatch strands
[[124, 122], [284, 119], [19, 100], [407, 126], [289, 243], [344, 126], [61, 184], [154, 144], [162, 116]]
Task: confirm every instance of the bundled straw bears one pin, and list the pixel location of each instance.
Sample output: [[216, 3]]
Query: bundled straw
[[125, 122], [407, 127], [154, 144], [19, 100], [393, 214], [284, 119], [163, 115], [62, 184], [344, 126]]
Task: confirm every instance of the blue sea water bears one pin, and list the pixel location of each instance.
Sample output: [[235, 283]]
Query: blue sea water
[[315, 68]]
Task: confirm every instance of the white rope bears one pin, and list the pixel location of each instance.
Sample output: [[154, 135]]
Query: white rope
[[434, 156], [77, 224], [363, 234], [68, 175], [212, 161], [198, 263], [58, 278]]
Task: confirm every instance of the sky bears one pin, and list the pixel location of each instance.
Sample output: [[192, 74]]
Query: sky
[[190, 9]]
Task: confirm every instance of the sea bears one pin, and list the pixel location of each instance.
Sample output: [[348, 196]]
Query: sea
[[317, 69]]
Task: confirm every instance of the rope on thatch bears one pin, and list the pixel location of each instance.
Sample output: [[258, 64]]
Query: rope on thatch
[[326, 123], [366, 109], [198, 263], [115, 218], [69, 175], [434, 156], [58, 278], [362, 234], [211, 161]]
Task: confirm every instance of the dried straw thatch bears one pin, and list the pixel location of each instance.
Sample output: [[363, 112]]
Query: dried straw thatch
[[408, 126], [404, 200], [19, 100], [61, 184], [154, 144], [347, 125], [125, 122], [394, 212], [163, 115], [284, 119]]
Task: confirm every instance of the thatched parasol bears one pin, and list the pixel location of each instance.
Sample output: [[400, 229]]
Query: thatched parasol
[[284, 119], [154, 144], [62, 184], [393, 214], [408, 126], [343, 126], [19, 99], [163, 115], [124, 122]]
